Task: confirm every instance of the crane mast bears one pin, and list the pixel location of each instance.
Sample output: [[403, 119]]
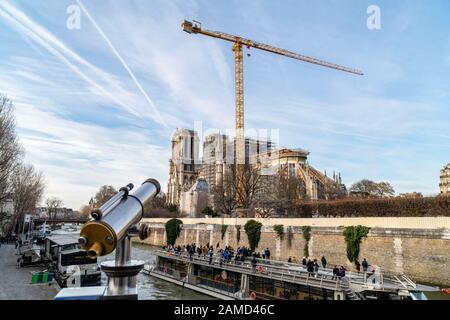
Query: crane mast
[[238, 42]]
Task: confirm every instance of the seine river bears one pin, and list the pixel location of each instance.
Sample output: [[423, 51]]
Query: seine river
[[150, 288]]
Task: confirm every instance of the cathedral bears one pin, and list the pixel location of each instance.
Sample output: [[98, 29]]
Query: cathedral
[[192, 179]]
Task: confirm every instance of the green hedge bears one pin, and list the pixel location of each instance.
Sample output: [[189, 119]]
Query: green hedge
[[389, 207], [253, 230], [353, 237], [173, 229]]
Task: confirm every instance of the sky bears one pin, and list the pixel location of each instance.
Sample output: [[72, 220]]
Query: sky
[[97, 105]]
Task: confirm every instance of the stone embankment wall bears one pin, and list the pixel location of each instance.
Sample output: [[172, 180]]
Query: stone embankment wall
[[416, 247]]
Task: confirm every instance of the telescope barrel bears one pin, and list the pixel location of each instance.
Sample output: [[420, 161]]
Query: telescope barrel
[[97, 214], [100, 237]]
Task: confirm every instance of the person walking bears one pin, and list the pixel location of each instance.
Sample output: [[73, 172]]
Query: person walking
[[254, 264], [211, 253], [310, 267], [324, 262], [365, 265], [191, 253], [358, 266], [342, 272], [316, 268], [335, 273], [267, 254], [290, 260], [304, 262]]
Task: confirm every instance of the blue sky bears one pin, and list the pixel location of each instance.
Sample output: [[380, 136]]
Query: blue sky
[[85, 122]]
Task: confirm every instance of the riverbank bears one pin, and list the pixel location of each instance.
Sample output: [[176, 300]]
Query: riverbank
[[15, 283], [417, 247]]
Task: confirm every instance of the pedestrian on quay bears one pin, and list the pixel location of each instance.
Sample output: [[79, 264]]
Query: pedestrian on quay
[[310, 267], [365, 265], [335, 273], [324, 262], [191, 253], [316, 268], [267, 254], [304, 262], [341, 272], [358, 266], [254, 263], [211, 253]]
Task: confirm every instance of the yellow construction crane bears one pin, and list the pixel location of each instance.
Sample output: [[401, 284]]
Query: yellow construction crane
[[196, 28]]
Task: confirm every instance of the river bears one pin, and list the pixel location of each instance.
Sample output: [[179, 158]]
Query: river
[[150, 288]]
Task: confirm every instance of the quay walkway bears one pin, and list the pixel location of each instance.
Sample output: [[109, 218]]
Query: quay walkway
[[15, 283], [352, 284]]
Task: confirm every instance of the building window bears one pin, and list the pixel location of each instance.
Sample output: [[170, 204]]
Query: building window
[[291, 170]]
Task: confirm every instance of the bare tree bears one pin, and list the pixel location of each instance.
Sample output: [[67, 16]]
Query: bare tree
[[28, 187], [224, 194], [53, 205], [158, 208], [84, 212], [233, 194], [373, 189], [103, 195], [385, 189], [266, 200], [333, 191], [10, 150]]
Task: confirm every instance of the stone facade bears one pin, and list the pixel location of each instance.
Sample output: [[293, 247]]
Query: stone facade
[[423, 254], [294, 162], [184, 167], [195, 200], [445, 180]]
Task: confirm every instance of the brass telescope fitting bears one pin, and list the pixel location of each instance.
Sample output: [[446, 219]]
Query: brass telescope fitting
[[97, 238]]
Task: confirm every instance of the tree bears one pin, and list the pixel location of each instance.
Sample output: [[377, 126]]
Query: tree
[[28, 187], [158, 208], [267, 201], [224, 194], [53, 204], [10, 150], [84, 212], [278, 194], [333, 191], [373, 189], [208, 211], [385, 189], [228, 197], [103, 195]]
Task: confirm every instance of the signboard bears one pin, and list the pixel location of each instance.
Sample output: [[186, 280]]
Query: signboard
[[27, 218]]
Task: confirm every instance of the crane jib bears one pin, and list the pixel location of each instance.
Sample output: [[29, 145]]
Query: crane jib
[[196, 29]]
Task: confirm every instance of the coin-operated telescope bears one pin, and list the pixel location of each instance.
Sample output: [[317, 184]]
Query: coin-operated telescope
[[110, 229]]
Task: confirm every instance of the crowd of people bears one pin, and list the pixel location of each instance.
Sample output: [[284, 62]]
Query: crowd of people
[[11, 240], [243, 254], [226, 255]]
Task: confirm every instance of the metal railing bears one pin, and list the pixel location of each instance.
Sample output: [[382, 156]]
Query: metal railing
[[296, 273]]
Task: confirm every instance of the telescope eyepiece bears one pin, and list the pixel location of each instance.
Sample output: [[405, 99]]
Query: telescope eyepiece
[[127, 188]]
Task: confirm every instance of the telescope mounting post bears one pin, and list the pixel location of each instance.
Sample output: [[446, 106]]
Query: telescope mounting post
[[122, 272]]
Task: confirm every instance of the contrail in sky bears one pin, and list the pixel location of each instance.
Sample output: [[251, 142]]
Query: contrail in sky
[[125, 65]]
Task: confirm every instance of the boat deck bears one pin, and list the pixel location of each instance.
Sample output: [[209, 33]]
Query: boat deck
[[297, 274]]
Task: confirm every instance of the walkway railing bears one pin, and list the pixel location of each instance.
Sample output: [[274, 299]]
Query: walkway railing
[[295, 273]]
